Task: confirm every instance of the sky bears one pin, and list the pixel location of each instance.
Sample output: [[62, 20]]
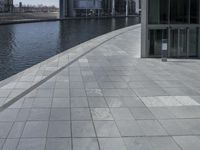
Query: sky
[[36, 2]]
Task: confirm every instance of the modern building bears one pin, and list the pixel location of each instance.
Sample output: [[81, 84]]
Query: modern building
[[6, 5], [80, 8], [172, 26], [137, 6], [86, 8], [1, 5]]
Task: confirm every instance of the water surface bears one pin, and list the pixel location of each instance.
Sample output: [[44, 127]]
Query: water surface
[[24, 45]]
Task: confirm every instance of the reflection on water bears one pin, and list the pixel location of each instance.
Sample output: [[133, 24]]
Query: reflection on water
[[24, 45]]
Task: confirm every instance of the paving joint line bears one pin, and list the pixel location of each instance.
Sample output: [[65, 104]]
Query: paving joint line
[[15, 99]]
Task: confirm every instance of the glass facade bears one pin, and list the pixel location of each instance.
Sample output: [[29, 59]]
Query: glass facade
[[178, 21], [184, 42], [179, 11], [6, 5], [155, 41], [194, 11], [173, 11], [182, 37], [158, 11], [193, 42], [102, 7]]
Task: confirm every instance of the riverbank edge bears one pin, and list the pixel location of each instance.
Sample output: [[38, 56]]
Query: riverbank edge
[[50, 67], [59, 19]]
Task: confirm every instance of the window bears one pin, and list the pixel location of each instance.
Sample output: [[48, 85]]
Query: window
[[158, 11], [155, 41], [194, 11], [179, 11], [193, 43], [184, 43]]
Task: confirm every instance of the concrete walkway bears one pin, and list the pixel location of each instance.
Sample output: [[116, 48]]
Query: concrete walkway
[[109, 99]]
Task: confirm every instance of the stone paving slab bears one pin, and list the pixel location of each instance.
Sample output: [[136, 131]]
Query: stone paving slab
[[19, 85], [109, 99]]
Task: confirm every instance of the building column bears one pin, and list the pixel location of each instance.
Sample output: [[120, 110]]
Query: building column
[[113, 7], [61, 4], [144, 29], [71, 11], [127, 5], [198, 46]]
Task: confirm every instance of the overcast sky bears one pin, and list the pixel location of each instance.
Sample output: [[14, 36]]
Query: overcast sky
[[36, 2]]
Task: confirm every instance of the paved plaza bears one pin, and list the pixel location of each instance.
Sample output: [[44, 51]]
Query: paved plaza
[[109, 99]]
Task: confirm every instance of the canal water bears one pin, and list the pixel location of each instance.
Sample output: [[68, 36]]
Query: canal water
[[24, 45]]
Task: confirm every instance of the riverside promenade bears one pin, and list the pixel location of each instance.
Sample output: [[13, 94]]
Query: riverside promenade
[[100, 95]]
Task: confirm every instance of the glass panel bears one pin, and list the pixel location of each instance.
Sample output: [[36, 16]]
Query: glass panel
[[179, 10], [154, 11], [106, 5], [155, 39], [179, 38], [173, 43], [193, 43], [194, 11], [182, 43], [120, 6], [164, 13], [158, 11]]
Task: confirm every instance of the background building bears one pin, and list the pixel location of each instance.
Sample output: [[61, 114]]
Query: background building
[[6, 5], [88, 8], [20, 8], [121, 6], [137, 6], [174, 22], [1, 5]]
